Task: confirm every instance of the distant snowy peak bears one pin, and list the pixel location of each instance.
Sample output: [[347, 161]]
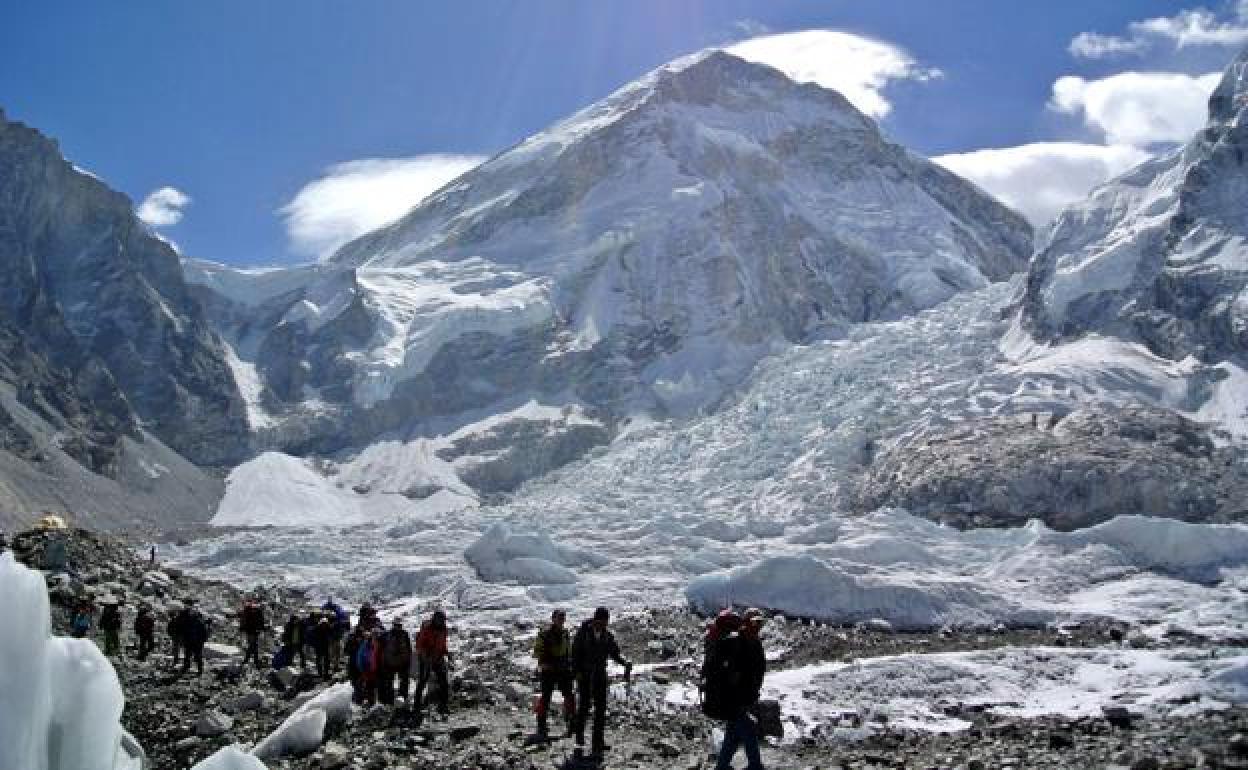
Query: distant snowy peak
[[718, 208], [637, 258], [1161, 253]]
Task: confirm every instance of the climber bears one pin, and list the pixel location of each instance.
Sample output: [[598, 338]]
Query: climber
[[553, 650], [195, 632], [433, 658], [145, 631], [110, 624], [732, 677], [593, 646], [251, 624]]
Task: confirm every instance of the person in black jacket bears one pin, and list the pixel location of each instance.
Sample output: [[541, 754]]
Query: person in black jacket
[[749, 666], [194, 627], [251, 623], [145, 631], [591, 649]]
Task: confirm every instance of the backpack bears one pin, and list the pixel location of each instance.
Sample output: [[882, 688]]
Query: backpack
[[722, 680]]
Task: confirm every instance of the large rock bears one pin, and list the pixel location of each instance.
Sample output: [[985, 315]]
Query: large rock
[[1071, 471]]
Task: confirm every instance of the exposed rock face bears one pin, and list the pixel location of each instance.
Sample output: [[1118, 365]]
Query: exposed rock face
[[105, 360], [1136, 296], [1159, 254], [640, 256], [1072, 471], [90, 289]]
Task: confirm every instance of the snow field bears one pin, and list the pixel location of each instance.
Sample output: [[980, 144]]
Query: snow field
[[912, 690]]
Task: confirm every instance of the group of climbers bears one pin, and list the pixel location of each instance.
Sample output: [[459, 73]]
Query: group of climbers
[[378, 657], [382, 662], [188, 630]]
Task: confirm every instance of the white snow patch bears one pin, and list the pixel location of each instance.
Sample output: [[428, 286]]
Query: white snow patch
[[1032, 681]]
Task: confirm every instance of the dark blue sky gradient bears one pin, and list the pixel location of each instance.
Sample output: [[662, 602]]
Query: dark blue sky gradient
[[241, 103]]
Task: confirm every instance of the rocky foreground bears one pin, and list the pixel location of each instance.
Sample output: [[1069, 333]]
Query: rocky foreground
[[180, 720]]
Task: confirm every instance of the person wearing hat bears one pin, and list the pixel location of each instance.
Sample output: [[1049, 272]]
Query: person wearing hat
[[750, 665], [593, 646]]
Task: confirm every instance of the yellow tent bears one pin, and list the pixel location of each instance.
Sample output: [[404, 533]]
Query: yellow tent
[[52, 521]]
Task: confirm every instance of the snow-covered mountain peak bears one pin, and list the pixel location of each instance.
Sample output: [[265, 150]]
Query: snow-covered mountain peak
[[1230, 98], [637, 257]]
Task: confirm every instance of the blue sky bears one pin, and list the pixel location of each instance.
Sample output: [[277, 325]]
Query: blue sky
[[268, 119]]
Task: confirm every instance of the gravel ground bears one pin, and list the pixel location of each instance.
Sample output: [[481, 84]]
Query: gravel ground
[[181, 720]]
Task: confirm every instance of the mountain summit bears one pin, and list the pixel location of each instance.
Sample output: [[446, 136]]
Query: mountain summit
[[638, 257]]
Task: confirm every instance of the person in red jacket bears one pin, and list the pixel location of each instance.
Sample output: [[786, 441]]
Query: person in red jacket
[[434, 659]]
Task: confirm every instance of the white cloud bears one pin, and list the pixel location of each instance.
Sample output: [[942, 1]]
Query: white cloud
[[1092, 45], [1138, 108], [361, 195], [1039, 179], [1195, 27], [858, 67], [163, 207]]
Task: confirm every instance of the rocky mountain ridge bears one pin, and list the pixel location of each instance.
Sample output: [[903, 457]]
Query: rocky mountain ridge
[[109, 372]]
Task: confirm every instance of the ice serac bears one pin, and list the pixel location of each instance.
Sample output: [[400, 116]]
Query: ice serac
[[1158, 255], [638, 257], [60, 700]]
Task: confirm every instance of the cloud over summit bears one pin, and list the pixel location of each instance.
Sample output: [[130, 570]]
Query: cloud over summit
[[352, 198], [858, 67]]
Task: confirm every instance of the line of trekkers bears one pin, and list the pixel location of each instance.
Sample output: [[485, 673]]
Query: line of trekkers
[[380, 662]]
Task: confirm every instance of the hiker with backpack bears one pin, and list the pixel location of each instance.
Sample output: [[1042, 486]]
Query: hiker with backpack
[[110, 624], [553, 650], [593, 646], [340, 625], [174, 629], [292, 642], [732, 678], [319, 639], [396, 660], [80, 622], [433, 659], [367, 659], [194, 627], [145, 631], [251, 625]]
